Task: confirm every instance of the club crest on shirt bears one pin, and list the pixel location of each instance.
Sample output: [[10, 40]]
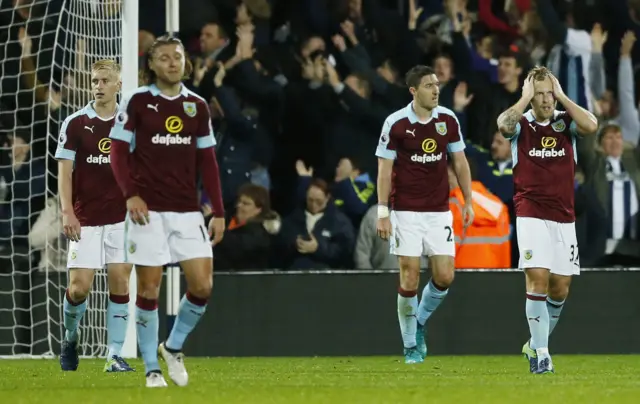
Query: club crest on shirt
[[190, 109], [528, 254], [441, 128], [559, 126]]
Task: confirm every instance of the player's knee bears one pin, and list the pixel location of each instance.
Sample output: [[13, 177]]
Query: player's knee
[[558, 293], [79, 290], [444, 279], [118, 284], [202, 289], [537, 280], [148, 288], [409, 278]]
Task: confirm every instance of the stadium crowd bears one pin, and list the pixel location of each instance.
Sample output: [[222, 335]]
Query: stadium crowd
[[298, 92]]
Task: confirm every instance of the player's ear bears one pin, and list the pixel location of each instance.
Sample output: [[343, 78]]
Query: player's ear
[[412, 90]]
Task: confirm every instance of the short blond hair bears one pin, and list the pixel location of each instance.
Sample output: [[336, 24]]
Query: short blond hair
[[106, 64], [539, 73]]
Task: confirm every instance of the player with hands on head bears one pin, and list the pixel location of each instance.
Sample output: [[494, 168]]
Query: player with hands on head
[[543, 146], [162, 142], [413, 151], [93, 213]]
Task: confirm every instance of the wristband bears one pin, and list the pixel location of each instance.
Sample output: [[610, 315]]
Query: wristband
[[383, 211]]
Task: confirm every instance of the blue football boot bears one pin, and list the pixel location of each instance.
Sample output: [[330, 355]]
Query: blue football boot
[[421, 344], [545, 366], [412, 355], [117, 364], [69, 359]]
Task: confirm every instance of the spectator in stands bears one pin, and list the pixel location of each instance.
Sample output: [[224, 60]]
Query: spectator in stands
[[486, 243], [490, 99], [353, 190], [623, 109], [494, 167], [318, 236], [570, 56], [244, 147], [613, 171], [591, 220], [248, 240], [371, 251], [25, 181]]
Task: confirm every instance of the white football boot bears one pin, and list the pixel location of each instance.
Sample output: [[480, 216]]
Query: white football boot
[[175, 363]]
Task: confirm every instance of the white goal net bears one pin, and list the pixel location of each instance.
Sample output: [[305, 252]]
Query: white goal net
[[47, 48]]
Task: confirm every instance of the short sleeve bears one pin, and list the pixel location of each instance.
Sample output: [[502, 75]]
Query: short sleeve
[[67, 141], [387, 144], [205, 136], [125, 122], [456, 140]]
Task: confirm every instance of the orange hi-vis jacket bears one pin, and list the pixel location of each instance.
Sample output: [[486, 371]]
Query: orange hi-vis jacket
[[486, 243]]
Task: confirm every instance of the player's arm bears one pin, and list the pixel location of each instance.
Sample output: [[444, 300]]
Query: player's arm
[[509, 120], [122, 136], [66, 155], [584, 121], [386, 153], [210, 173], [463, 173]]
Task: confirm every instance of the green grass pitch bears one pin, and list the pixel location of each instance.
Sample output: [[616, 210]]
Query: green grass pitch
[[473, 380]]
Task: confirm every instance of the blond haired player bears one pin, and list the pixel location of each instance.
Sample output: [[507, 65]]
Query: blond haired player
[[93, 212], [543, 142]]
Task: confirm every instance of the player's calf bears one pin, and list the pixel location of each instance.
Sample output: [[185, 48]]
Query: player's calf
[[149, 279], [433, 295], [74, 307], [199, 276], [408, 305], [117, 316]]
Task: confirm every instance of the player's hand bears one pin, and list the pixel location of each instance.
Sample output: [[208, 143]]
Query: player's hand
[[557, 89], [71, 226], [384, 228], [216, 229], [467, 215], [527, 89], [138, 211]]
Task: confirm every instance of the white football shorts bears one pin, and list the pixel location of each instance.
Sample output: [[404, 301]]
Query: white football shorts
[[414, 234], [548, 244], [97, 247], [168, 237]]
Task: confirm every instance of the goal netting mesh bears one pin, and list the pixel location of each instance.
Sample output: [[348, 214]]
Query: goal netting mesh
[[47, 48]]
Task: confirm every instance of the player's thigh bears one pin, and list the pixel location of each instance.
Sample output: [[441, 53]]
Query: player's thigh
[[438, 238], [567, 253], [198, 273], [118, 271], [536, 243], [188, 236], [406, 237], [88, 252], [147, 244]]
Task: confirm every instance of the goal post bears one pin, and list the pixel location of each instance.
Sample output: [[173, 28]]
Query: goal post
[[48, 48]]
